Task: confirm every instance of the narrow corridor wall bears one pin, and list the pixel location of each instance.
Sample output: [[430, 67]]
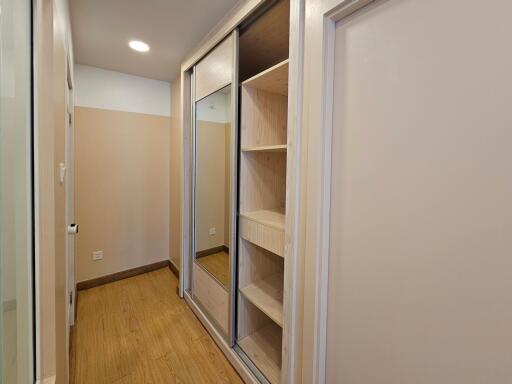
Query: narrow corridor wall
[[122, 127]]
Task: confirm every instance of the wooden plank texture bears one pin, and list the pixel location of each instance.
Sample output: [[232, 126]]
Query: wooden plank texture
[[212, 296], [263, 347], [139, 331], [267, 295], [264, 228], [215, 70], [273, 80], [265, 42], [266, 148], [264, 118]]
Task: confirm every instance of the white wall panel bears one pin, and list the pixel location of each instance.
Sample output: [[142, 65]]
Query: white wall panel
[[104, 89]]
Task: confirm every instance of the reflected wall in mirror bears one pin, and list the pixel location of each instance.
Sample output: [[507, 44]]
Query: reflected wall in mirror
[[212, 186]]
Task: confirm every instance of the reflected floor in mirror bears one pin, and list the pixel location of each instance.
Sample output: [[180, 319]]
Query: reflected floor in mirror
[[218, 265]]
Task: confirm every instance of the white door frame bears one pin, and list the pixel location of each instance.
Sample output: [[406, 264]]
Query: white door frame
[[319, 50], [70, 194]]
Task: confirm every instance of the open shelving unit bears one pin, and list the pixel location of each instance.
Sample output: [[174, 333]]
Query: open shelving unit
[[263, 72]]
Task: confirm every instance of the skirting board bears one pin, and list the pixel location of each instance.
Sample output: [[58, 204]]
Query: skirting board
[[247, 376], [211, 251], [174, 269], [121, 275]]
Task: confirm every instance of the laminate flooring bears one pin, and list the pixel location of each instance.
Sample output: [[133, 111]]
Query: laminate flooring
[[138, 330], [218, 265]]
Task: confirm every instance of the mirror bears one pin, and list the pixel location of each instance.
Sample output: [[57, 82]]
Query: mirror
[[212, 184]]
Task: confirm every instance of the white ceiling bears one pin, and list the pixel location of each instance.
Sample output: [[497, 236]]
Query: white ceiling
[[102, 29]]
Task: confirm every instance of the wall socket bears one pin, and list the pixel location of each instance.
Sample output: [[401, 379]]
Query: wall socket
[[97, 255], [212, 231]]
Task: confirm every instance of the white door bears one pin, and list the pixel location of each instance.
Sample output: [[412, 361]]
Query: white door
[[409, 215]]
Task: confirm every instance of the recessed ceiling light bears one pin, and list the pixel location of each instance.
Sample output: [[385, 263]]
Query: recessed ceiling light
[[139, 46]]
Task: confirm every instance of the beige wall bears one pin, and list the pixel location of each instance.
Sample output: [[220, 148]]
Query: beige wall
[[210, 184], [175, 174], [122, 190], [227, 183]]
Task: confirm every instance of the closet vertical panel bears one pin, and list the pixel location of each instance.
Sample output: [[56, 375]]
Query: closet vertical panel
[[215, 71], [234, 189], [262, 187]]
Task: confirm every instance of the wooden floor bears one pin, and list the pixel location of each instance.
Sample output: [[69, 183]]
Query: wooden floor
[[218, 265], [137, 330]]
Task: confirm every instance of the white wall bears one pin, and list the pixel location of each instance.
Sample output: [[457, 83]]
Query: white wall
[[215, 108], [104, 89]]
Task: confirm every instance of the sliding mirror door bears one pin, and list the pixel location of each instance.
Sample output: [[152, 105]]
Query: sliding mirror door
[[214, 187]]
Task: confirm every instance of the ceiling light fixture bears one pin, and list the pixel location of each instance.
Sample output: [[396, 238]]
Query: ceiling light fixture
[[138, 46]]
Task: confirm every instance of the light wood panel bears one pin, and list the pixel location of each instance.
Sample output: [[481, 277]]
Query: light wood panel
[[250, 318], [263, 118], [212, 296], [215, 70], [273, 80], [269, 217], [255, 264], [266, 148], [264, 228], [264, 108], [293, 292], [267, 295], [262, 181], [139, 331], [265, 42], [264, 348]]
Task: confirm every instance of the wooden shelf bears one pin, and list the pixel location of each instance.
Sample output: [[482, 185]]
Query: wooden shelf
[[269, 217], [267, 296], [264, 228], [263, 347], [273, 80], [266, 148]]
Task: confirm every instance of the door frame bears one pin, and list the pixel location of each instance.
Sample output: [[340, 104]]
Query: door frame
[[319, 54], [70, 191]]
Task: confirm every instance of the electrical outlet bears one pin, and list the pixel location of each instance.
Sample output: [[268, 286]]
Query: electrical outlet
[[212, 231], [97, 255]]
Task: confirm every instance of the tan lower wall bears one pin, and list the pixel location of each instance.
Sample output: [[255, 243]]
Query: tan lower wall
[[176, 174], [121, 190], [210, 184]]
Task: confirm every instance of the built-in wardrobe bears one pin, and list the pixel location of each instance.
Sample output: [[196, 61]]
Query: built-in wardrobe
[[236, 135]]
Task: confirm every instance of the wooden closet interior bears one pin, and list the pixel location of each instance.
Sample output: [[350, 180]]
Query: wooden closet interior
[[263, 75]]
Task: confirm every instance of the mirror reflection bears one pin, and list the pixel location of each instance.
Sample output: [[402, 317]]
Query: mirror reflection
[[212, 186]]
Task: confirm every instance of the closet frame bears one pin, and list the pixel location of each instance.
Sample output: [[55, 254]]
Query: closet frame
[[292, 244]]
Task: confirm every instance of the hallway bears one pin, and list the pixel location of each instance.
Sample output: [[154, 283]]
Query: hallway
[[138, 330]]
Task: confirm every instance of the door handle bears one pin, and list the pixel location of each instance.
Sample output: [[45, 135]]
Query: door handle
[[72, 229]]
